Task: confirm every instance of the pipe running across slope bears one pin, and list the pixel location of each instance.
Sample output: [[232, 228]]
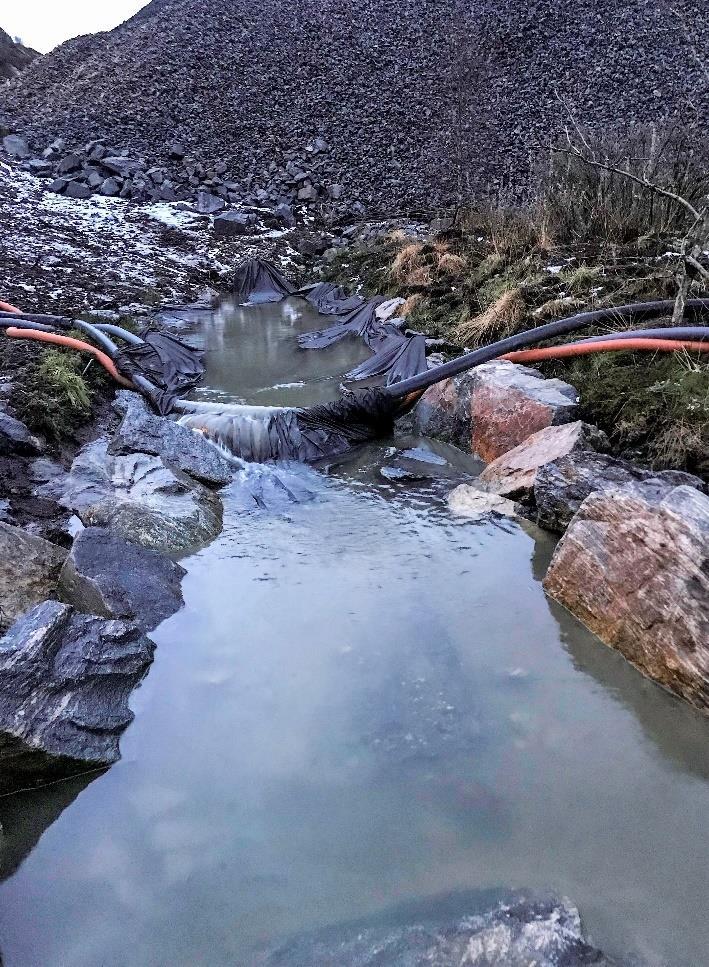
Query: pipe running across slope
[[69, 343], [560, 327]]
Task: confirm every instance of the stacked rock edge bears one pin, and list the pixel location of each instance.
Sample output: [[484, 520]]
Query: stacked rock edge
[[634, 567], [401, 89]]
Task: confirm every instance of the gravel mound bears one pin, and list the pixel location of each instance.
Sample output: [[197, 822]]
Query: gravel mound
[[415, 99]]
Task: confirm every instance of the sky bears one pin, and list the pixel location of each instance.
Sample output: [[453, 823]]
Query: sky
[[43, 24]]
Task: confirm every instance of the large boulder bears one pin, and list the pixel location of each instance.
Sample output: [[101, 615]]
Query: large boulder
[[29, 571], [517, 932], [492, 408], [180, 448], [107, 575], [561, 486], [511, 402], [514, 473], [140, 498], [230, 224], [443, 411], [634, 567], [65, 680]]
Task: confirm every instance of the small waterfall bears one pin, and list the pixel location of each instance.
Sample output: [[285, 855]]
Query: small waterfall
[[253, 433]]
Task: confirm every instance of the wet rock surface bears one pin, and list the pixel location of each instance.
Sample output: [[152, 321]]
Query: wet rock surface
[[514, 473], [417, 463], [15, 438], [561, 486], [634, 567], [29, 571], [468, 501], [519, 932], [179, 447], [140, 498], [66, 680], [109, 576]]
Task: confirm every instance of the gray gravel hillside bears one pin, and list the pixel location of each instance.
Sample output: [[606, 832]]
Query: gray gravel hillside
[[398, 88]]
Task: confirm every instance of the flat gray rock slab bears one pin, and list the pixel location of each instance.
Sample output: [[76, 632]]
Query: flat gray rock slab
[[109, 576], [179, 447], [65, 681], [29, 571], [139, 498]]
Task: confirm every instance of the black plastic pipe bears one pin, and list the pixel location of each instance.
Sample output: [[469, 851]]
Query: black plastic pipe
[[560, 327]]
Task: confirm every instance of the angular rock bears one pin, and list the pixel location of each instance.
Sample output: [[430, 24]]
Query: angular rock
[[110, 188], [29, 571], [232, 223], [561, 486], [443, 411], [39, 167], [72, 162], [140, 498], [515, 472], [15, 438], [180, 448], [208, 204], [106, 575], [511, 402], [120, 165], [76, 190], [177, 152], [519, 932], [65, 682], [633, 566], [467, 501], [58, 185], [16, 146]]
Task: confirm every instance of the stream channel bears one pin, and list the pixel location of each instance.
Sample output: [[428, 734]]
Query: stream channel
[[365, 701]]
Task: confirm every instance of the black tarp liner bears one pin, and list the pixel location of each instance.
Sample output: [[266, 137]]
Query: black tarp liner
[[362, 322], [330, 299], [263, 434], [169, 364], [257, 281], [398, 357]]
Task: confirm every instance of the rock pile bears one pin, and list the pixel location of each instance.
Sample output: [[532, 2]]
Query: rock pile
[[13, 57], [302, 181], [415, 98]]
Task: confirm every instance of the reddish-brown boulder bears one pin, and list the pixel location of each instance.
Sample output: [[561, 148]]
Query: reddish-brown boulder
[[634, 567], [511, 402], [514, 473]]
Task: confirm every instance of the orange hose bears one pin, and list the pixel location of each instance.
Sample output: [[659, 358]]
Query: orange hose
[[6, 307], [603, 346], [70, 343]]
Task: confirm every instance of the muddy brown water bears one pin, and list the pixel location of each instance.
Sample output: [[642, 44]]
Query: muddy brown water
[[364, 701]]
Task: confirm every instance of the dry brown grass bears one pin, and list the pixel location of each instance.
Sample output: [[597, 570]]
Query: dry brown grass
[[450, 265], [406, 261], [420, 277], [557, 308], [410, 304], [500, 319]]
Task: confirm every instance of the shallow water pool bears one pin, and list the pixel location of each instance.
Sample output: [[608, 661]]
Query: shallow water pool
[[364, 701]]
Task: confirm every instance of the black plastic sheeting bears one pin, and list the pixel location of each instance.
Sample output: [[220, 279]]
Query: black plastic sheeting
[[262, 434], [257, 281], [399, 356], [169, 364], [362, 322], [330, 299]]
